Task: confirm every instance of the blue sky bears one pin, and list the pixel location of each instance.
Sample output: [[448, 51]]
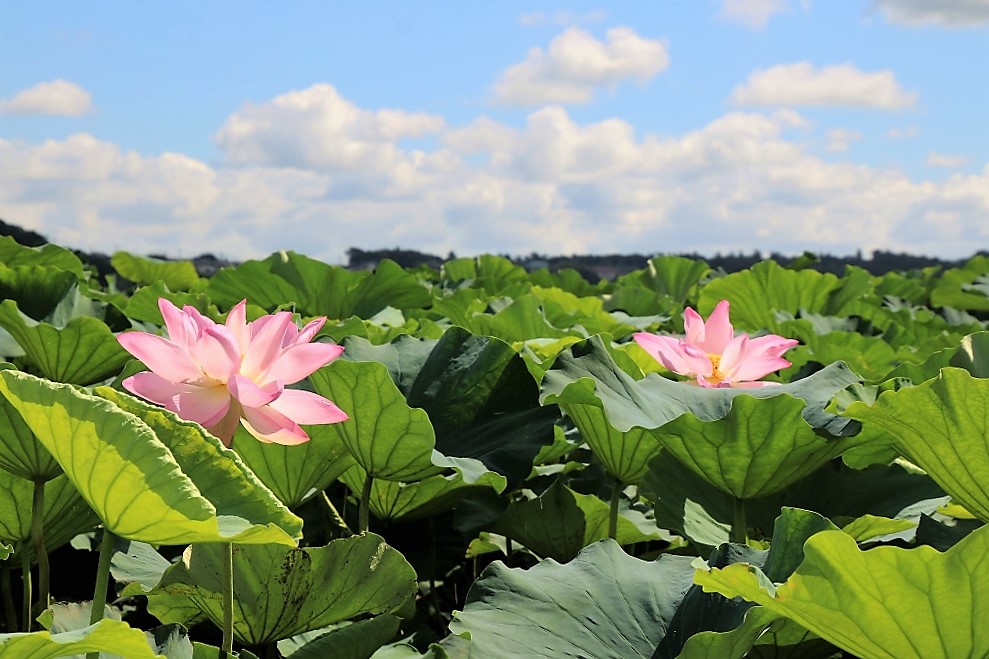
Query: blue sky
[[678, 126]]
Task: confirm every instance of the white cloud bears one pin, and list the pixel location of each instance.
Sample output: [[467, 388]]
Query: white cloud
[[538, 18], [803, 84], [576, 63], [902, 133], [553, 185], [316, 128], [839, 139], [946, 161], [754, 13], [58, 97], [949, 13]]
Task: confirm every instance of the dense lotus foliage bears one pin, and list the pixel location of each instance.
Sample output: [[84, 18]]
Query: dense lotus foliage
[[515, 464]]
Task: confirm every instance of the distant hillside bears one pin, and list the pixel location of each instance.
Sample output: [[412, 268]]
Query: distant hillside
[[591, 267]]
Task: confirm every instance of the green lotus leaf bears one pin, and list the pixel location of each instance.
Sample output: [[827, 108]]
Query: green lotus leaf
[[36, 289], [569, 280], [887, 602], [142, 305], [955, 287], [941, 425], [487, 271], [480, 398], [388, 439], [149, 475], [758, 293], [560, 522], [111, 636], [357, 640], [176, 275], [971, 354], [51, 256], [524, 318], [593, 373], [65, 516], [869, 356], [624, 455], [84, 351], [318, 289], [870, 527], [282, 592], [20, 453], [674, 276], [393, 501], [760, 447]]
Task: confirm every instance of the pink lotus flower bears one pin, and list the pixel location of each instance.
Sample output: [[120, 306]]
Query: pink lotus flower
[[714, 355], [222, 375]]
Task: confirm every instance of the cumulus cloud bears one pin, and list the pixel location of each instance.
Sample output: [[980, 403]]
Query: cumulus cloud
[[946, 161], [745, 181], [58, 97], [803, 84], [316, 128], [576, 64], [949, 13], [754, 13], [840, 139]]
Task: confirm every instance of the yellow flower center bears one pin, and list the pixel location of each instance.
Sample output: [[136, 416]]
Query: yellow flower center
[[716, 377]]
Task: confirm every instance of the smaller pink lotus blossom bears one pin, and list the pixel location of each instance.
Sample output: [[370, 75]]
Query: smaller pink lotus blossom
[[222, 375], [714, 355]]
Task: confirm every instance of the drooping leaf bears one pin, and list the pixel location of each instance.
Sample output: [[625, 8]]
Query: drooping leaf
[[887, 602], [20, 453], [955, 287], [674, 276], [112, 636], [52, 256], [36, 289], [83, 351], [149, 475], [941, 425], [358, 640], [176, 275], [282, 592], [624, 455]]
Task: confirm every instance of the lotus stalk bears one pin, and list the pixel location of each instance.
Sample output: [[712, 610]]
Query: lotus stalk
[[38, 541]]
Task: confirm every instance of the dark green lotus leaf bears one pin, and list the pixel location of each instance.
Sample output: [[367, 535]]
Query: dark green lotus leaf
[[36, 289], [149, 475], [51, 256], [20, 453], [760, 447], [176, 275], [480, 398], [675, 277], [624, 455], [971, 354], [690, 506], [111, 636], [941, 425], [388, 439], [594, 374], [393, 501], [955, 287], [868, 356], [294, 473], [317, 289], [560, 522], [758, 293], [357, 640], [66, 513], [883, 602], [488, 272], [282, 592], [569, 280], [84, 351]]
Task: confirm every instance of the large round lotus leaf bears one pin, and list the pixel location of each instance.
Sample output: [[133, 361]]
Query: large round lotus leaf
[[176, 275], [20, 453], [66, 513], [83, 351], [281, 591], [943, 426], [387, 438], [149, 475], [111, 636], [760, 447], [624, 455], [293, 473], [883, 603], [13, 254], [36, 289]]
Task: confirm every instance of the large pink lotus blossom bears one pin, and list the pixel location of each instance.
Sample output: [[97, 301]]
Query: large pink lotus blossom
[[222, 375], [712, 353]]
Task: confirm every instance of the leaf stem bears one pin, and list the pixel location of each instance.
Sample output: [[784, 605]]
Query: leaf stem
[[739, 529], [26, 582], [336, 519], [38, 540], [227, 648], [102, 582], [362, 515], [9, 608], [616, 495]]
